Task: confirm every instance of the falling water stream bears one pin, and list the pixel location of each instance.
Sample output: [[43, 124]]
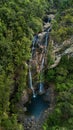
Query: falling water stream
[[37, 104], [41, 88], [42, 64], [31, 86], [41, 84]]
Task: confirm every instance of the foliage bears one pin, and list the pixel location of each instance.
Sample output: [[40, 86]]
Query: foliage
[[62, 25], [19, 21], [62, 76], [11, 123], [62, 116]]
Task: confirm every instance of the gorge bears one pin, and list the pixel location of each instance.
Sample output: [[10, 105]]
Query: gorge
[[38, 103], [37, 106], [36, 65]]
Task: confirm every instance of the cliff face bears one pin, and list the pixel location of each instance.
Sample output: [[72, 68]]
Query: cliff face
[[66, 48]]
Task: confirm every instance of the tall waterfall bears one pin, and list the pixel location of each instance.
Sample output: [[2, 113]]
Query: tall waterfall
[[31, 86], [34, 41], [38, 49], [41, 88], [46, 40], [42, 64], [41, 85], [46, 37], [30, 79]]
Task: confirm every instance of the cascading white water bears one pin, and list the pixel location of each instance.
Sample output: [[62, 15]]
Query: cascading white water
[[34, 41], [42, 64], [41, 85], [34, 94], [41, 88], [46, 41], [34, 47], [38, 104], [30, 79], [31, 86]]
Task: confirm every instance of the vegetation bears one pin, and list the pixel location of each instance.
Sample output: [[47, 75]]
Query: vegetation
[[62, 75], [19, 21], [62, 25]]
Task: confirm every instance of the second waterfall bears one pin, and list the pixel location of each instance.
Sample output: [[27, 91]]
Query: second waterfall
[[37, 61]]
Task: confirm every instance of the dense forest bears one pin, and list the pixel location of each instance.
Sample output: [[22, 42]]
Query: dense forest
[[20, 20], [62, 75]]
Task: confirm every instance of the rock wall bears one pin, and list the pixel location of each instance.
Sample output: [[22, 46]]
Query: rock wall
[[66, 48]]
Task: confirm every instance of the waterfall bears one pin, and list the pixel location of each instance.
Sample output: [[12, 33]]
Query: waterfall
[[34, 42], [31, 86], [42, 64], [49, 29], [30, 79], [46, 38], [34, 94], [41, 87], [38, 50]]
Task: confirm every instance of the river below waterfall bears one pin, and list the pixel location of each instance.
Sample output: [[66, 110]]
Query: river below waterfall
[[37, 106]]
